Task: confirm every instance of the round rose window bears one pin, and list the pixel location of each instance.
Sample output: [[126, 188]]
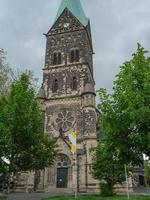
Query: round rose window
[[65, 120]]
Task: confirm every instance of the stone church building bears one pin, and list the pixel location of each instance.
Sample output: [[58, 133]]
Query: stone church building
[[67, 98]]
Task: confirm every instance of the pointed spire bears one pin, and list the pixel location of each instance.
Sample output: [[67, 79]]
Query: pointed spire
[[75, 7]]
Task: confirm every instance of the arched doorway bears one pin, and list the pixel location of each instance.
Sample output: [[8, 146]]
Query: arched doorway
[[63, 166]]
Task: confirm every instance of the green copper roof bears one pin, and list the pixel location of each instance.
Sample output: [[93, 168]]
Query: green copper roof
[[76, 9]]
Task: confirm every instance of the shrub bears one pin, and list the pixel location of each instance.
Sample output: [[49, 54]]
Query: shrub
[[106, 189]]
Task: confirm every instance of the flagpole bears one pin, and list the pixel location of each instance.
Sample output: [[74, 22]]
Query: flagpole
[[75, 175], [127, 184], [73, 141]]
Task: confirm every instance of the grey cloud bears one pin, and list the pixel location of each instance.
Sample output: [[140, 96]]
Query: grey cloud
[[117, 25]]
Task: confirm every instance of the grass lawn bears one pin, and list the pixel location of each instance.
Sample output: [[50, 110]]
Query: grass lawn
[[96, 197], [2, 198]]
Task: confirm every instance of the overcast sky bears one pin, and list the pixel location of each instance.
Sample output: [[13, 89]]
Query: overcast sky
[[117, 25]]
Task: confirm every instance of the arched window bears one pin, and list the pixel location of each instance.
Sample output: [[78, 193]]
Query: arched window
[[63, 161], [74, 83], [77, 55], [57, 58], [55, 86], [54, 58], [74, 55]]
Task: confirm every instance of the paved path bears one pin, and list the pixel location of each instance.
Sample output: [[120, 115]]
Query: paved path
[[144, 191]]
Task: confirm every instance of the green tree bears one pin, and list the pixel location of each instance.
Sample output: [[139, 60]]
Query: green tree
[[124, 120], [107, 168], [125, 114], [23, 145]]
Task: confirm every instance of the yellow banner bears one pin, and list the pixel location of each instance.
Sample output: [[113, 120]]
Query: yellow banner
[[73, 148], [73, 141]]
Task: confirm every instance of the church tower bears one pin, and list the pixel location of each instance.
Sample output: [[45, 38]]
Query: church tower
[[67, 97]]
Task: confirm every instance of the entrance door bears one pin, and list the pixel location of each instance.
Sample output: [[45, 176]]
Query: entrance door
[[62, 177]]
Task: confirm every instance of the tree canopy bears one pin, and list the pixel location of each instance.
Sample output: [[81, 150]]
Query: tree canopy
[[124, 120], [23, 145], [125, 114]]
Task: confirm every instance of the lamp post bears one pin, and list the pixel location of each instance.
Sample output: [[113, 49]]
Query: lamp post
[[72, 146]]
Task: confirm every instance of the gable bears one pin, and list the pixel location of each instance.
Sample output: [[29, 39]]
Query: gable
[[65, 23]]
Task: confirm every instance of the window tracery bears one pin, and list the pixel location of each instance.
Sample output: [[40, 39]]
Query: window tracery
[[65, 120], [63, 161], [74, 55]]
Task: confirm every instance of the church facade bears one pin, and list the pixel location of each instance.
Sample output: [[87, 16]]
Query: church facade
[[67, 99]]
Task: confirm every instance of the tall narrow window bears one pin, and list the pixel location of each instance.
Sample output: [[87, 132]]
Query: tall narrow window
[[59, 58], [55, 86], [77, 55], [56, 58], [74, 55], [74, 83]]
